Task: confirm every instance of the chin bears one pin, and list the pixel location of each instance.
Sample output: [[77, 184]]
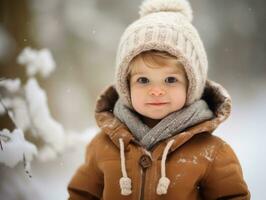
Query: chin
[[157, 117]]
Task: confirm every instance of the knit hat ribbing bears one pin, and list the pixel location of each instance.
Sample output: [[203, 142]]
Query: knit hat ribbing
[[164, 25]]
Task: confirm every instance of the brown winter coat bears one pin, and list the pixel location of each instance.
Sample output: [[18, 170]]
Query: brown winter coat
[[199, 165]]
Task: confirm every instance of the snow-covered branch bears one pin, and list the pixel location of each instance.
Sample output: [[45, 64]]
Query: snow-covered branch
[[37, 133], [37, 61], [15, 147]]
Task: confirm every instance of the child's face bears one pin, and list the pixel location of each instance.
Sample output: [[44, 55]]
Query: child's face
[[157, 92]]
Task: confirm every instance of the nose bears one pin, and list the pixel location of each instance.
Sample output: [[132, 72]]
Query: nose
[[156, 91]]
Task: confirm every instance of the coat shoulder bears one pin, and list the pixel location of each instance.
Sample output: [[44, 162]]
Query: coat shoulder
[[204, 145], [204, 139], [100, 139], [103, 147]]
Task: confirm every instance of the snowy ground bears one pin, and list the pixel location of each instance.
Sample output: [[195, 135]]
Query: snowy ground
[[49, 179], [243, 130]]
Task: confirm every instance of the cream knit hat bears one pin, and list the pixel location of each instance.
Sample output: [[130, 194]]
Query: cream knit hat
[[164, 25]]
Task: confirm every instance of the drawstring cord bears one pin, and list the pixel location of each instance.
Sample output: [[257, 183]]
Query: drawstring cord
[[125, 181], [164, 181]]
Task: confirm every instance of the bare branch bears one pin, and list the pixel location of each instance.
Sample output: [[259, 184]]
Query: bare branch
[[1, 145]]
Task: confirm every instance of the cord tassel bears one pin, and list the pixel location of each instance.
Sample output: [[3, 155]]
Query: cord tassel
[[125, 181], [164, 182]]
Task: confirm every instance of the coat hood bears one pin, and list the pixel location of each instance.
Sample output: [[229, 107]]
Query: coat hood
[[216, 96]]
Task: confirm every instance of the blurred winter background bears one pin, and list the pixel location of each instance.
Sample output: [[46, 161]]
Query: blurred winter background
[[50, 88]]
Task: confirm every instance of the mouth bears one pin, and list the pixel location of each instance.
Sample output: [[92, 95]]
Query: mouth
[[157, 103]]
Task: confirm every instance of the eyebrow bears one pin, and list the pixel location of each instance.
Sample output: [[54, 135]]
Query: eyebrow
[[136, 73], [178, 72]]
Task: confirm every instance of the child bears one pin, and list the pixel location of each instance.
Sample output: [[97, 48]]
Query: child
[[156, 123]]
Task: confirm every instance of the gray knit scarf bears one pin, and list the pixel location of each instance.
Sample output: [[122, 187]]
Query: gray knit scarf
[[171, 125]]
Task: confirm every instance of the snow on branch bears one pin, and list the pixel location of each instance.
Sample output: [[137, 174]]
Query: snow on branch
[[44, 126], [37, 133], [15, 148], [37, 61]]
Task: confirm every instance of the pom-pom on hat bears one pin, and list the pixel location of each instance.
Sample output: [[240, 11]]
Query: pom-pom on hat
[[164, 25], [181, 6]]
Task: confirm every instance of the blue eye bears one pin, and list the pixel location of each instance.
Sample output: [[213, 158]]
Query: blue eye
[[142, 80], [170, 80]]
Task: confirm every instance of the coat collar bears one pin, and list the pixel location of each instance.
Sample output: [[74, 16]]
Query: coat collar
[[214, 94]]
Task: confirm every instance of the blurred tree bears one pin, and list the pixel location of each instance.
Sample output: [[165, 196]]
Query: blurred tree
[[14, 18]]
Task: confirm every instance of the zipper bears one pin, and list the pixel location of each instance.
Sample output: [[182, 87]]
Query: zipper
[[143, 175], [142, 185]]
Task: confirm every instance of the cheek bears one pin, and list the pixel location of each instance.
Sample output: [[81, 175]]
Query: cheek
[[136, 95], [179, 95]]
